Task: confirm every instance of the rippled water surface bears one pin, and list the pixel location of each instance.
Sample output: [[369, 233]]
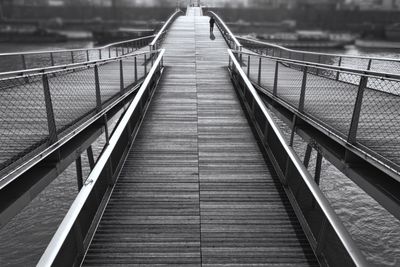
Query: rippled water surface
[[377, 233]]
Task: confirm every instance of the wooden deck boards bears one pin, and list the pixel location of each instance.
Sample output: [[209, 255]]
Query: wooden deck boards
[[195, 189]]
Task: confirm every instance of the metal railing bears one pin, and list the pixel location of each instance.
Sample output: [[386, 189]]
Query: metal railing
[[329, 239], [36, 110], [229, 37], [378, 64], [70, 242], [158, 39], [40, 59], [360, 107]]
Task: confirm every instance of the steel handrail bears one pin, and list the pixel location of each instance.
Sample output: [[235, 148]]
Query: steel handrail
[[71, 218], [330, 214], [153, 44], [75, 50], [238, 45], [72, 66], [346, 70], [316, 53]]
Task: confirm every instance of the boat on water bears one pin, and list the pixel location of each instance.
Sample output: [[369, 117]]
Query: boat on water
[[30, 35], [309, 39], [120, 34]]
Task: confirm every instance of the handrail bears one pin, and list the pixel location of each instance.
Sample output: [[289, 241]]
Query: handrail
[[226, 31], [54, 69], [37, 59], [75, 50], [157, 39], [388, 65], [345, 238], [347, 70], [124, 131]]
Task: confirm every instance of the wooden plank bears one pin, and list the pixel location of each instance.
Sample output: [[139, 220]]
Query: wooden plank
[[195, 189]]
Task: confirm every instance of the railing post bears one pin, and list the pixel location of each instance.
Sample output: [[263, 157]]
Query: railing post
[[121, 75], [318, 168], [90, 156], [338, 73], [52, 59], [72, 57], [248, 66], [87, 55], [275, 90], [303, 90], [79, 173], [98, 92], [109, 52], [51, 122], [369, 64], [136, 70], [145, 64], [319, 61], [357, 110], [307, 156], [99, 53], [23, 61], [259, 71]]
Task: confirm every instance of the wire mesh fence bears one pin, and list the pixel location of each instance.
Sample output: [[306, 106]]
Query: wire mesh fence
[[31, 60], [360, 106], [30, 106], [357, 62]]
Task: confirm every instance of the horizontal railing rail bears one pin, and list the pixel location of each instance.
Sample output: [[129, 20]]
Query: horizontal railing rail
[[378, 64], [36, 110], [229, 37], [70, 242], [328, 237], [40, 59], [361, 107], [159, 37]]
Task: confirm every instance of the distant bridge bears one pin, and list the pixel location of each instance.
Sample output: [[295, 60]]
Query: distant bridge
[[197, 172]]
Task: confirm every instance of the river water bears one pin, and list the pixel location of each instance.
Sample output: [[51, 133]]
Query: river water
[[23, 240]]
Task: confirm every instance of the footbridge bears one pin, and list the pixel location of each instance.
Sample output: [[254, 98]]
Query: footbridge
[[195, 169]]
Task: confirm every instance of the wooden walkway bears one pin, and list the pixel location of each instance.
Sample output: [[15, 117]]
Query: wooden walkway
[[332, 102], [195, 189]]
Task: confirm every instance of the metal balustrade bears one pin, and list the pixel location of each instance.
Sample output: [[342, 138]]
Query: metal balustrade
[[37, 110], [69, 244], [377, 64], [329, 239], [11, 62], [159, 38], [361, 107]]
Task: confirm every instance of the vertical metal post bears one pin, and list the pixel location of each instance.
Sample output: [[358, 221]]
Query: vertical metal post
[[79, 173], [98, 92], [51, 122], [99, 53], [109, 52], [318, 168], [319, 61], [23, 61], [116, 51], [357, 110], [121, 75], [338, 73], [294, 124], [275, 90], [72, 57], [307, 156], [369, 64], [136, 71], [145, 64], [248, 66], [259, 71], [87, 55], [52, 59], [303, 90], [106, 129], [89, 152]]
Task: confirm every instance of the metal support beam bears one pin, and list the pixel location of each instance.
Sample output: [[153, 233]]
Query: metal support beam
[[275, 90], [79, 172], [303, 90], [90, 156], [51, 122], [121, 76], [97, 87], [307, 156], [352, 137], [248, 66], [259, 70]]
